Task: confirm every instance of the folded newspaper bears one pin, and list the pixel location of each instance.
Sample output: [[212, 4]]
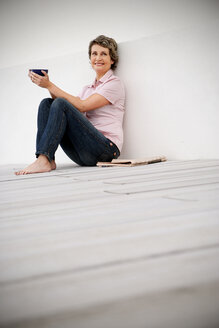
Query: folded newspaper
[[132, 162]]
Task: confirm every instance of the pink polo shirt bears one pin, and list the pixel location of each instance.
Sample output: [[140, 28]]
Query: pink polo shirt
[[107, 119]]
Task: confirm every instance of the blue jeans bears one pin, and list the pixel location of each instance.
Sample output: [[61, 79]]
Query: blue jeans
[[60, 123]]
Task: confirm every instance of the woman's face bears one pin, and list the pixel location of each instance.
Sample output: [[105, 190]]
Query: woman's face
[[100, 60]]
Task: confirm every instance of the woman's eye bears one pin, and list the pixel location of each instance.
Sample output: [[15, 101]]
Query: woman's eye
[[102, 54]]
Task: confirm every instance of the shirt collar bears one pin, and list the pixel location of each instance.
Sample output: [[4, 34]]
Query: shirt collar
[[106, 76]]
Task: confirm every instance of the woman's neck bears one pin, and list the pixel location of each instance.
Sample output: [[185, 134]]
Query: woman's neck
[[100, 75]]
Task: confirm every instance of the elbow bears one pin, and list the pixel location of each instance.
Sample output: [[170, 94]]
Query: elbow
[[82, 109], [81, 106], [84, 106]]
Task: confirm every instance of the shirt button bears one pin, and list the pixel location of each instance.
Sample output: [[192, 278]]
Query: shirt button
[[111, 144], [114, 154]]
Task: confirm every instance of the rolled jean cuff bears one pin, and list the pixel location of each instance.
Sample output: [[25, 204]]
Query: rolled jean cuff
[[38, 153], [116, 149]]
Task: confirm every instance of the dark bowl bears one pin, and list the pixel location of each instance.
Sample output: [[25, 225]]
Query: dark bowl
[[38, 71]]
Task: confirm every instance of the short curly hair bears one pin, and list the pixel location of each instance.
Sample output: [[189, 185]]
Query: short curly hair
[[109, 43]]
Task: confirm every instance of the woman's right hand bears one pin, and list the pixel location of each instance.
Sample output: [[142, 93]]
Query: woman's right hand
[[41, 81]]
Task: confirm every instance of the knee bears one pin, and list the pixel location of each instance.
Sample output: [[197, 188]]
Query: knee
[[45, 103], [59, 102]]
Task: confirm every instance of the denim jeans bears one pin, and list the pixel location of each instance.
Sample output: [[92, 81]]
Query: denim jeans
[[60, 123]]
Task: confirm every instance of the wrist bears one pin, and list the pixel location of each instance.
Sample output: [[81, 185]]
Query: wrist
[[50, 86]]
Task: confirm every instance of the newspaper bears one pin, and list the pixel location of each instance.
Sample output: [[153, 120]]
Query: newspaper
[[132, 162]]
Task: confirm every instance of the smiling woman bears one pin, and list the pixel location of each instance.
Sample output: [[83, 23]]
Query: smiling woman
[[88, 127], [100, 60], [109, 45]]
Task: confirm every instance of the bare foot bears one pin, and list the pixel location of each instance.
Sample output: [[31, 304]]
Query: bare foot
[[41, 165]]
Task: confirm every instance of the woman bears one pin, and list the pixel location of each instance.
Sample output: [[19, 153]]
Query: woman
[[87, 127]]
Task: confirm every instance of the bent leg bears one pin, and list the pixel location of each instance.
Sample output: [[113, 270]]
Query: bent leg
[[42, 118], [54, 130], [51, 127], [66, 126], [82, 142]]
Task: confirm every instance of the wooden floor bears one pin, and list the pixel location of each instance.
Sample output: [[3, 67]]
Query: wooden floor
[[112, 247]]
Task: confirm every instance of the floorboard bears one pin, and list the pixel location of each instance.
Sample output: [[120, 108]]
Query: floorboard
[[111, 247]]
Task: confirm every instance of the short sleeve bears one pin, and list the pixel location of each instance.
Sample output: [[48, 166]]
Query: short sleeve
[[112, 90]]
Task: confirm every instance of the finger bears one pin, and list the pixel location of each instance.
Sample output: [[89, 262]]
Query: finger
[[30, 73], [45, 74], [35, 74], [34, 78]]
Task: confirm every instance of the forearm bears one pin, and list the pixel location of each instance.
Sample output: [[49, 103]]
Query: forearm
[[92, 102], [52, 95], [58, 93]]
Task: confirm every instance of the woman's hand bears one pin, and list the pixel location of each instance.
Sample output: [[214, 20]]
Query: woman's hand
[[41, 81], [92, 102]]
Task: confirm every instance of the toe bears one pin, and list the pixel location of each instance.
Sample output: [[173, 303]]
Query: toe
[[18, 173]]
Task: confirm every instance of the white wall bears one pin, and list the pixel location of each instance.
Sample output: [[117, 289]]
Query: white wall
[[39, 29], [173, 94], [20, 99], [170, 73]]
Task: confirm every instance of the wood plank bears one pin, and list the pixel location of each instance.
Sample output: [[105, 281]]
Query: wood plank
[[97, 246], [41, 217], [77, 172], [178, 275], [72, 251]]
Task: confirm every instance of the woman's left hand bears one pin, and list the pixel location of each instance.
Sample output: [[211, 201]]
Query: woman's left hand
[[41, 81]]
